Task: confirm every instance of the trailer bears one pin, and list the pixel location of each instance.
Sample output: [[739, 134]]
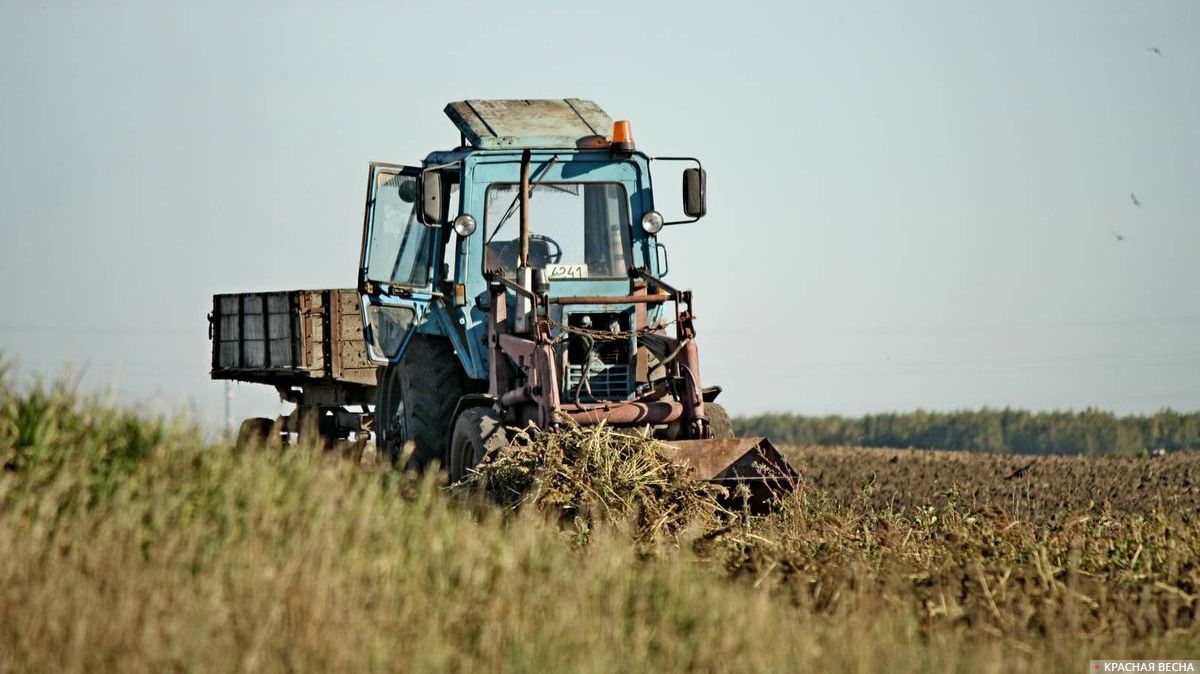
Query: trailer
[[308, 344]]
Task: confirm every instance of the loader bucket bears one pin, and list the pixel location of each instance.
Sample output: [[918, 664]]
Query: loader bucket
[[744, 466]]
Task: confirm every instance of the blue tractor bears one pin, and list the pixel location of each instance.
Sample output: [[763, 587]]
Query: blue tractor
[[518, 279]]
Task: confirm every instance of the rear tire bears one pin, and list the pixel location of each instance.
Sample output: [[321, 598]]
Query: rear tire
[[478, 433], [719, 423], [415, 399]]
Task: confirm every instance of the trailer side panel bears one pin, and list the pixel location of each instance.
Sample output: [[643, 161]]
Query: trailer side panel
[[290, 338]]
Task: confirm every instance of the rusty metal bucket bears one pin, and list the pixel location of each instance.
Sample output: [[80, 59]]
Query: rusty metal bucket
[[751, 469]]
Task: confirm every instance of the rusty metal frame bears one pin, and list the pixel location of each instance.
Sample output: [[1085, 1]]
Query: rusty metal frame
[[656, 298], [630, 413], [535, 357]]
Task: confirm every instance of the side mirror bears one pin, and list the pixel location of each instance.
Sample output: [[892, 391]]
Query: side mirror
[[694, 201], [433, 207]]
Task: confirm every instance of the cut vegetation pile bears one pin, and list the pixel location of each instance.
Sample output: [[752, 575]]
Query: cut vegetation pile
[[129, 544], [590, 475]]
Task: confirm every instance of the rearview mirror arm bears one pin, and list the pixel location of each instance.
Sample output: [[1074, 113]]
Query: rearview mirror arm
[[692, 160]]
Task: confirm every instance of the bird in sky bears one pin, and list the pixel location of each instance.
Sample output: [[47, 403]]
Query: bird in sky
[[1134, 199], [1155, 50], [1120, 237]]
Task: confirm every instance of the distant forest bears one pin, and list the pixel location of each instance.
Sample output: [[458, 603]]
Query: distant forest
[[1090, 432]]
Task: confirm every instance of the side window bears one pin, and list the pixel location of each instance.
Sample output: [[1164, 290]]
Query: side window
[[451, 255], [399, 247], [451, 250]]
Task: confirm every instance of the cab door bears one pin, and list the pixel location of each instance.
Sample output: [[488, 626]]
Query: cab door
[[395, 270]]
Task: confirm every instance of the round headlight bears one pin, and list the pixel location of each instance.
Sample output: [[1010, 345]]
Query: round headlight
[[464, 225], [652, 222]]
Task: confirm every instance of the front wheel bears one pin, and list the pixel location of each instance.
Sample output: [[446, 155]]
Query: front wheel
[[478, 433]]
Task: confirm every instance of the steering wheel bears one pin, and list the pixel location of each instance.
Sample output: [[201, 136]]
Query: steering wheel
[[554, 251]]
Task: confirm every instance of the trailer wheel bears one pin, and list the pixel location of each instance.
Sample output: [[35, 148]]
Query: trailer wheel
[[254, 433], [718, 421], [415, 399], [477, 433]]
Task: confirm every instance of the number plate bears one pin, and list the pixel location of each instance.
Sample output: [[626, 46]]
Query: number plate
[[561, 271]]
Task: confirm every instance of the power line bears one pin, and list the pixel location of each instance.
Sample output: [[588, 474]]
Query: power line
[[59, 330], [827, 328]]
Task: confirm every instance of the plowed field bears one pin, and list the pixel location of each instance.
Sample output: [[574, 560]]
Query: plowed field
[[1041, 490]]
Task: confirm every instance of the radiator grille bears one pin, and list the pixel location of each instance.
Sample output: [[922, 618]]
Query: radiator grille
[[604, 382], [607, 363]]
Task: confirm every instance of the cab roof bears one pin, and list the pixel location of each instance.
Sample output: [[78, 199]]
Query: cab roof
[[531, 123]]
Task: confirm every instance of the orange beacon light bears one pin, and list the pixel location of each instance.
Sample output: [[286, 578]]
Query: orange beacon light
[[622, 136]]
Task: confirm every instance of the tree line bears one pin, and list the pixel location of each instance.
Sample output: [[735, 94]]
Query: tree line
[[1090, 432]]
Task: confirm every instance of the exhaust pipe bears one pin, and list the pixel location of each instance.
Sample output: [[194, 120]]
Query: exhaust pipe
[[523, 320]]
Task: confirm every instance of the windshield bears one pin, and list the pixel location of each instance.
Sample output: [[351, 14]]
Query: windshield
[[577, 230]]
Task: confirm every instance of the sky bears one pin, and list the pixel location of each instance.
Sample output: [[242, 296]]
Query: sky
[[911, 205]]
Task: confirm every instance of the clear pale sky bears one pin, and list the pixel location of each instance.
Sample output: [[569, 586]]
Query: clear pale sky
[[910, 204]]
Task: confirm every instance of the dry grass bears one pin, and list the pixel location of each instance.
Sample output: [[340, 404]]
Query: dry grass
[[130, 545]]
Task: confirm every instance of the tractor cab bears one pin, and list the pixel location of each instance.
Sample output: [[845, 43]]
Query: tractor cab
[[437, 235]]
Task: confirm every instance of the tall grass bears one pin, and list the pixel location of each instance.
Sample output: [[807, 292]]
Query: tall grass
[[128, 544]]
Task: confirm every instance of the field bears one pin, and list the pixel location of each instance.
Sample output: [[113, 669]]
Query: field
[[1043, 490], [130, 544]]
